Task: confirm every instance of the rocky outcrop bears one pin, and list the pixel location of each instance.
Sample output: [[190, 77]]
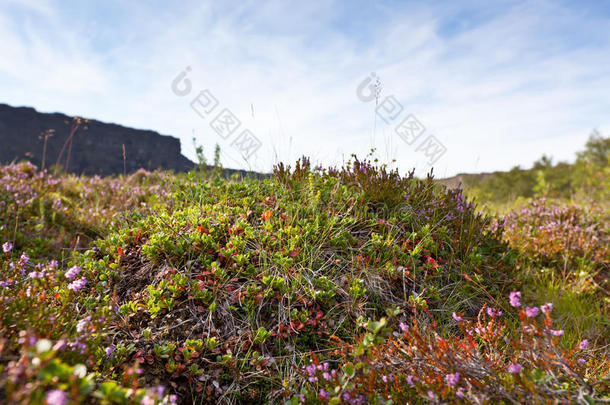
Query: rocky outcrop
[[96, 150]]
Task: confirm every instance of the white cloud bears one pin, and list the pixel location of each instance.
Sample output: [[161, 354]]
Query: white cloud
[[499, 92]]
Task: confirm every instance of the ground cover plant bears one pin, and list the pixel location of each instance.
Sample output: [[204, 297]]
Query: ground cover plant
[[340, 285]]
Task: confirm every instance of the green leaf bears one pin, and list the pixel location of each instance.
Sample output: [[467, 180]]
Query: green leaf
[[349, 369]]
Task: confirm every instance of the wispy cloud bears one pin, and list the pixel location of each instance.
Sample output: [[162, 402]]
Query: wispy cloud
[[498, 85]]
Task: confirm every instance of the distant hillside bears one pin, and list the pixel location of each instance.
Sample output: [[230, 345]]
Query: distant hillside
[[96, 150], [461, 179], [587, 178]]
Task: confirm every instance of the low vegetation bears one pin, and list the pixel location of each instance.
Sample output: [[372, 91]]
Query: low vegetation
[[341, 286]]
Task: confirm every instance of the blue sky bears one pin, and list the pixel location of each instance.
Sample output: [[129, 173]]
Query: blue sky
[[496, 83]]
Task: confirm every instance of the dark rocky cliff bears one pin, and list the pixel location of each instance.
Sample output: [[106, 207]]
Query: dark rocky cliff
[[96, 150]]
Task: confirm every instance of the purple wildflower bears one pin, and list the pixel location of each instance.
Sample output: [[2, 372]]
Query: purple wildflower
[[7, 247], [403, 327], [56, 397], [494, 312], [515, 298], [36, 274], [515, 368], [59, 345], [76, 345], [77, 284], [311, 370], [583, 344], [327, 376], [456, 317], [531, 311], [411, 380], [82, 324], [323, 394], [548, 307], [556, 332], [460, 392], [73, 272], [452, 379], [24, 259], [581, 361], [147, 400], [109, 350], [431, 395]]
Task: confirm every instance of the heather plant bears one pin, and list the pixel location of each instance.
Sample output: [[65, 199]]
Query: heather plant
[[564, 257], [568, 237], [53, 323], [46, 215], [485, 361]]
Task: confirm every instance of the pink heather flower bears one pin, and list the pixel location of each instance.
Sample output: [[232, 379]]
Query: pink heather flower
[[159, 389], [36, 274], [77, 284], [56, 397], [452, 379], [531, 311], [109, 350], [82, 324], [311, 370], [323, 394], [76, 345], [583, 344], [7, 247], [515, 368], [73, 272], [556, 332], [61, 344], [456, 317], [581, 361], [431, 395], [403, 327], [24, 259], [460, 392], [326, 376], [387, 378], [494, 312], [515, 299], [548, 307], [302, 398], [411, 380], [146, 400]]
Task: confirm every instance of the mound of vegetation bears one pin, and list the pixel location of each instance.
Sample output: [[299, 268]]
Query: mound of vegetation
[[296, 288]]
